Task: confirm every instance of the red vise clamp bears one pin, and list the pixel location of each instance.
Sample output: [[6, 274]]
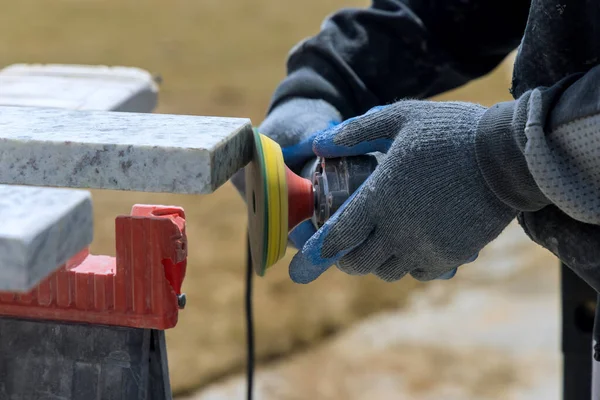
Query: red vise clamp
[[140, 288]]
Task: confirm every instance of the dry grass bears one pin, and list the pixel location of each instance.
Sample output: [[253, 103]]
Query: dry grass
[[490, 333], [217, 58]]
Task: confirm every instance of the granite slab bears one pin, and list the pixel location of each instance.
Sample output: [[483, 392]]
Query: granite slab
[[121, 150], [78, 87], [41, 229], [38, 236]]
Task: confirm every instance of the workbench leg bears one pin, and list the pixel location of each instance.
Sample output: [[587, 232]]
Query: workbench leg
[[578, 309], [54, 360], [159, 384]]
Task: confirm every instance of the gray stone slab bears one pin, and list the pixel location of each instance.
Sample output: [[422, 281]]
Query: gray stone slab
[[38, 236], [121, 150], [78, 87], [40, 229]]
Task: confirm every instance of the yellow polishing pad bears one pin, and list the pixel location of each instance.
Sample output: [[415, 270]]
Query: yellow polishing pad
[[267, 201]]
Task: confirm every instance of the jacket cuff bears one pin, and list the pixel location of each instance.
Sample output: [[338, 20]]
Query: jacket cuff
[[499, 145]]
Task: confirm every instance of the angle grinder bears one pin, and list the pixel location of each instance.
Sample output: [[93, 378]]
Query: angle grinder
[[278, 199]]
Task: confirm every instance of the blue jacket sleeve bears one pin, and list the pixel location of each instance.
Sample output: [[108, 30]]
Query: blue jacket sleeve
[[401, 48]]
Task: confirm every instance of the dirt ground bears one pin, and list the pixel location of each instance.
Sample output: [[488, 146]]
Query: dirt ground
[[491, 333], [216, 58]]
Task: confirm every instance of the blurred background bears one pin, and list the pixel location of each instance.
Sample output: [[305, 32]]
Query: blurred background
[[482, 335]]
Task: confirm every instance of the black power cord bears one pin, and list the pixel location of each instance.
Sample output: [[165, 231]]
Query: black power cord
[[249, 321], [596, 331]]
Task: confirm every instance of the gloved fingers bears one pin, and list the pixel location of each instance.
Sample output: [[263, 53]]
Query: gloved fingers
[[451, 274], [343, 232], [370, 132], [448, 275], [419, 275], [302, 270], [367, 256], [297, 155], [300, 234], [425, 275], [349, 227], [393, 269], [472, 259]]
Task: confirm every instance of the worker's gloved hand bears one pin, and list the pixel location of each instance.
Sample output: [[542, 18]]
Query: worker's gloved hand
[[300, 235], [293, 125], [425, 210]]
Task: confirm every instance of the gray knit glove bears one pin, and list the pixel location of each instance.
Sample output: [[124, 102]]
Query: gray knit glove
[[288, 124], [425, 210]]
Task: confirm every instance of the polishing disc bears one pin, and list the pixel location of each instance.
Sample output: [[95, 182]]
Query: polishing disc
[[267, 202]]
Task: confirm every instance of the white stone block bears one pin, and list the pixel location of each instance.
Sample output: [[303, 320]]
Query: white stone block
[[41, 229], [78, 87], [120, 150]]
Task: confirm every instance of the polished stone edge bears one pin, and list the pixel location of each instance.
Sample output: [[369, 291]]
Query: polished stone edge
[[242, 142]]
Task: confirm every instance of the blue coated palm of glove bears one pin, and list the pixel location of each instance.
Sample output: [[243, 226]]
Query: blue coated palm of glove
[[300, 234], [424, 211]]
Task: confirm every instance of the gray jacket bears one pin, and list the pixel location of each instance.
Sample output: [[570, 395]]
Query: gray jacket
[[547, 139]]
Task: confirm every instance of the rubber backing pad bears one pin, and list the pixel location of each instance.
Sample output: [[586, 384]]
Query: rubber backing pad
[[267, 203]]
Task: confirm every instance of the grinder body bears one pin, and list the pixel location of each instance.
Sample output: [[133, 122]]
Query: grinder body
[[334, 180]]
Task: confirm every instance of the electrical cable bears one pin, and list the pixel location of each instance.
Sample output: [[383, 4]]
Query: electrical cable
[[596, 330], [249, 322]]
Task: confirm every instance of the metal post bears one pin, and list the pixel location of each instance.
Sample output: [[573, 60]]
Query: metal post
[[578, 309], [596, 352]]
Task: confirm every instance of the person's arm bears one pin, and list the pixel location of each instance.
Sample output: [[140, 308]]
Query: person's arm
[[547, 142], [396, 49], [454, 176]]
